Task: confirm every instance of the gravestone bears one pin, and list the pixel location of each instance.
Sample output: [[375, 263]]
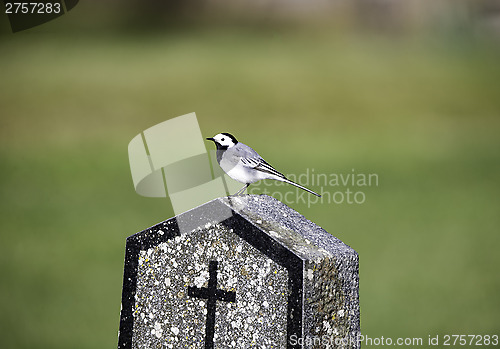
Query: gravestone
[[262, 276]]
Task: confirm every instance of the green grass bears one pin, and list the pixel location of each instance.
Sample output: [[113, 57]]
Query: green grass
[[424, 116]]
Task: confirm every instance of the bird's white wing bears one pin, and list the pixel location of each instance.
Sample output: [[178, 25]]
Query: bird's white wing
[[245, 156], [259, 164]]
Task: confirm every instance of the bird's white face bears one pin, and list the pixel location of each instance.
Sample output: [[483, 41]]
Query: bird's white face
[[225, 140]]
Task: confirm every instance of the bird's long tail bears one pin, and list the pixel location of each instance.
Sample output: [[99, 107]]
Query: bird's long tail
[[286, 180]]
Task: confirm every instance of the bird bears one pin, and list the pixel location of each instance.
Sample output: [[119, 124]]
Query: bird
[[245, 165]]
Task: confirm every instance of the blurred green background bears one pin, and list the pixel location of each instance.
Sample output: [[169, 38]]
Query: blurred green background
[[417, 103]]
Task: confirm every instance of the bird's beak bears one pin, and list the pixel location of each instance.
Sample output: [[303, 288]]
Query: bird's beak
[[210, 139]]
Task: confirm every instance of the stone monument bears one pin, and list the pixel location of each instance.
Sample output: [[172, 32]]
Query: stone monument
[[239, 272]]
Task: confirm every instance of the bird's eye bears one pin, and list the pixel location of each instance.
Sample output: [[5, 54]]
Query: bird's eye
[[222, 139]]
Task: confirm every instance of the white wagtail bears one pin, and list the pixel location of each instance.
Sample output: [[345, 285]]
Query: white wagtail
[[244, 165]]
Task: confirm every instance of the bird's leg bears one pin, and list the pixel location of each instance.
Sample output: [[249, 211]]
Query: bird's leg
[[242, 190]]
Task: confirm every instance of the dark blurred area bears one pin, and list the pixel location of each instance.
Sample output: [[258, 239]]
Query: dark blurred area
[[479, 18]]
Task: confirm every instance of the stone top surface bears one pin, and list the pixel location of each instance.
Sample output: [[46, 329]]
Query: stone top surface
[[288, 226]]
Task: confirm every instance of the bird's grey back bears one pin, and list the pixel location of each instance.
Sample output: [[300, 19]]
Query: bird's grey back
[[233, 155], [245, 151]]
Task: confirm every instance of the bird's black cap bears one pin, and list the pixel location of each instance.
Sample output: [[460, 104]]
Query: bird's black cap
[[230, 136]]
